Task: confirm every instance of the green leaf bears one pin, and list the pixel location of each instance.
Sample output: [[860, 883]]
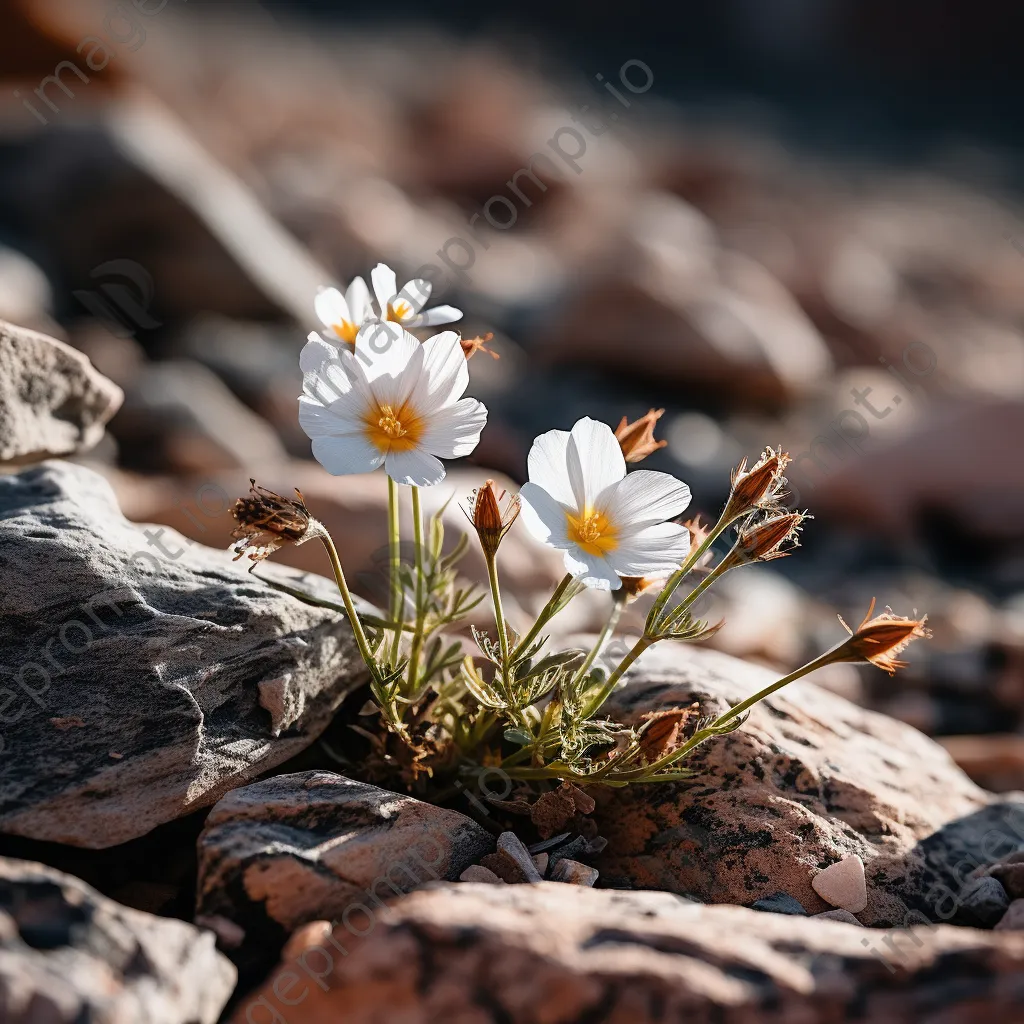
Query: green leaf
[[520, 737]]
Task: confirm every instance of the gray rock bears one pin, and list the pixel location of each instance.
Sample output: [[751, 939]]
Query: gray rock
[[574, 873], [488, 953], [52, 400], [983, 903], [69, 955], [1013, 919], [779, 903], [509, 843], [142, 676], [297, 848], [842, 916]]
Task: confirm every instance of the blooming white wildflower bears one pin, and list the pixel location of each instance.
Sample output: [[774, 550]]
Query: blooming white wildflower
[[392, 402], [609, 523], [343, 315], [403, 307]]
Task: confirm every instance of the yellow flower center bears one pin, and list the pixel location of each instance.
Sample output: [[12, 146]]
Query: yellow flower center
[[393, 430], [346, 330], [593, 532], [399, 310]]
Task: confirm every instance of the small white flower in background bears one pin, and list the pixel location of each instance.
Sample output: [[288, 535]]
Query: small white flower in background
[[609, 523], [403, 307], [343, 315], [393, 402]]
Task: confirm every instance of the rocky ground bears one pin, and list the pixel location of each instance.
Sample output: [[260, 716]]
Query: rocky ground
[[185, 831]]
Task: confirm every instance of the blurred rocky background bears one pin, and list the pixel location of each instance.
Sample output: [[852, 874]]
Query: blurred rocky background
[[795, 223]]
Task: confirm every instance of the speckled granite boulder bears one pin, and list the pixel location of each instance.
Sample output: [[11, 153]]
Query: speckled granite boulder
[[69, 956], [52, 400], [808, 780], [567, 954], [142, 675]]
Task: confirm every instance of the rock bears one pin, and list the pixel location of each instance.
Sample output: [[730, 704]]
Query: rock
[[1010, 873], [540, 862], [296, 848], [837, 915], [995, 762], [807, 780], [478, 873], [983, 902], [69, 955], [512, 862], [462, 953], [52, 401], [142, 676], [843, 885], [779, 903], [573, 872], [1013, 919]]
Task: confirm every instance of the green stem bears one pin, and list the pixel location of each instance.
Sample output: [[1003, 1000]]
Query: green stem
[[417, 637], [346, 596], [394, 563], [673, 618], [610, 624], [609, 684], [499, 617], [547, 612]]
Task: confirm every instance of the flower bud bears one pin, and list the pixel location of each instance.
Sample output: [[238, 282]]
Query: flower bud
[[470, 346], [763, 541], [636, 439], [878, 640], [759, 487], [489, 519]]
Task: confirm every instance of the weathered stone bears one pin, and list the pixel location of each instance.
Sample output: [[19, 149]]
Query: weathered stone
[[843, 884], [779, 903], [142, 676], [807, 780], [68, 955], [1013, 919], [52, 400], [509, 843], [516, 954], [843, 916], [574, 873], [297, 848], [1010, 872], [478, 873], [983, 903]]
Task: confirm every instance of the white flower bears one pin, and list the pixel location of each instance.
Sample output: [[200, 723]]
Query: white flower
[[403, 307], [343, 315], [392, 402], [609, 523]]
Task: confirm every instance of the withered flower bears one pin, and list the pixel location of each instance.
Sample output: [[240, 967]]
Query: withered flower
[[764, 541], [268, 521], [634, 586], [878, 640], [490, 520], [759, 487], [637, 438], [662, 731], [470, 346]]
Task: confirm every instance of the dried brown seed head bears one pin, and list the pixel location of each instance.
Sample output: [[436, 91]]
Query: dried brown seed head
[[663, 731], [759, 487], [470, 346], [880, 639], [772, 538], [267, 521], [490, 519], [636, 439]]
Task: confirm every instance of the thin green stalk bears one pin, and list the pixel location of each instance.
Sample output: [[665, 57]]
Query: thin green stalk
[[346, 596], [606, 631], [680, 610], [394, 563], [499, 616], [417, 637], [609, 684], [547, 612]]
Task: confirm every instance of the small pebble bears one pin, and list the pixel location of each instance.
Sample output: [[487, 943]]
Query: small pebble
[[478, 873], [540, 860], [510, 843], [1013, 919], [838, 915], [1010, 871], [983, 903], [843, 884], [573, 872], [780, 903]]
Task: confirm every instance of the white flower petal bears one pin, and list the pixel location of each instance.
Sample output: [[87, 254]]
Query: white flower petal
[[385, 351], [644, 498], [415, 293], [592, 570], [453, 432], [328, 373], [445, 375], [650, 551], [435, 316], [351, 453], [385, 285], [415, 467], [360, 304], [331, 307], [594, 460], [544, 516], [546, 465], [318, 420]]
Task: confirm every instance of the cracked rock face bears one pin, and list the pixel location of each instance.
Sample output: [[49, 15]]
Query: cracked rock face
[[297, 848], [516, 954], [142, 679], [69, 955], [810, 779], [52, 400]]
